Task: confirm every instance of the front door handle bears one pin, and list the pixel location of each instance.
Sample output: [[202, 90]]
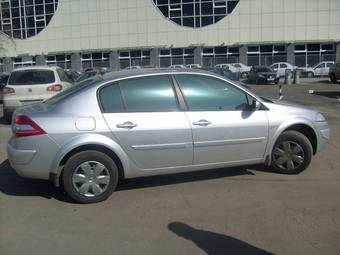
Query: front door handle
[[201, 123], [127, 125]]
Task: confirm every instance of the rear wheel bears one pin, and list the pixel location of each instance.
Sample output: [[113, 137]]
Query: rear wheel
[[7, 117], [90, 177], [292, 153], [333, 78]]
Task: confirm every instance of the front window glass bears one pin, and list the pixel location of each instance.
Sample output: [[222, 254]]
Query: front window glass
[[31, 77], [209, 94], [149, 94]]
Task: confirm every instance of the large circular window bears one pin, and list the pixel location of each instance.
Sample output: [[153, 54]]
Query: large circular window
[[22, 19], [195, 13]]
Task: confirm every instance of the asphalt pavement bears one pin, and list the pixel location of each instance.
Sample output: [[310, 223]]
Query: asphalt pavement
[[243, 210]]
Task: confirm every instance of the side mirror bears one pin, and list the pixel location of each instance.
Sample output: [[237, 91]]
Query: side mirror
[[255, 105]]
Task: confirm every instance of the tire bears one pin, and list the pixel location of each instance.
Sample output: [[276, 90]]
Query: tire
[[292, 159], [83, 184], [310, 75], [333, 78], [277, 81], [7, 117], [244, 75]]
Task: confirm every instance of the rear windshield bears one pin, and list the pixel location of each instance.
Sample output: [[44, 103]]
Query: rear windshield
[[72, 90], [31, 77]]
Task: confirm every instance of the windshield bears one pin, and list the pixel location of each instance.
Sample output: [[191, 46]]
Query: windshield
[[31, 77], [72, 90]]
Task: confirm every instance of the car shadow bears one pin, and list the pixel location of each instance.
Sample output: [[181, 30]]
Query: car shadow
[[329, 94], [214, 243], [13, 185]]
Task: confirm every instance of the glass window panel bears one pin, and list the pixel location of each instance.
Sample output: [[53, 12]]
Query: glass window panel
[[149, 94]]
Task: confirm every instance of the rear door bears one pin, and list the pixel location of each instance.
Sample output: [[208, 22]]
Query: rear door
[[327, 68], [224, 131], [31, 85], [143, 115]]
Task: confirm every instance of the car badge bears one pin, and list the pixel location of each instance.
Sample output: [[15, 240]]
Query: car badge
[[29, 90]]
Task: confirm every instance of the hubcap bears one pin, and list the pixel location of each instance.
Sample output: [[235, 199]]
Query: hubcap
[[288, 155], [91, 179]]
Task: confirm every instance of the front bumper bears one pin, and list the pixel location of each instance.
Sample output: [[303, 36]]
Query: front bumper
[[31, 157]]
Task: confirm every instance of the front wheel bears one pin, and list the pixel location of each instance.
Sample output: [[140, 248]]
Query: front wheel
[[292, 153], [310, 75], [90, 177], [333, 78]]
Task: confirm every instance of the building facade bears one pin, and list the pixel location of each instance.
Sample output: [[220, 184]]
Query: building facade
[[115, 33]]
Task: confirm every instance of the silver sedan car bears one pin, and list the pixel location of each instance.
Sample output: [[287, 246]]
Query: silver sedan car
[[151, 122]]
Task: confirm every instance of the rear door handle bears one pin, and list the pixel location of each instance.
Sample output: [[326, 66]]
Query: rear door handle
[[202, 123], [127, 125]]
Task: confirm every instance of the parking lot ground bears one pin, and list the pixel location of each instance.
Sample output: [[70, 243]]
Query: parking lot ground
[[244, 210]]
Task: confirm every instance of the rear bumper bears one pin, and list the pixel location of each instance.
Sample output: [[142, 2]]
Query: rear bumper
[[32, 157]]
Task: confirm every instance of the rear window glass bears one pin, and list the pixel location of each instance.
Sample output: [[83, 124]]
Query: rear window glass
[[31, 77]]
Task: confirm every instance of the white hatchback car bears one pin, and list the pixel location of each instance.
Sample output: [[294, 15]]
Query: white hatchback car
[[31, 85]]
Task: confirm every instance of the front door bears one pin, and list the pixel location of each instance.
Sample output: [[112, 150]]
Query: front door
[[224, 128], [143, 116]]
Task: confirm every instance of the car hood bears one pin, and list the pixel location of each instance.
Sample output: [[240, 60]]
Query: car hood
[[266, 73], [289, 108]]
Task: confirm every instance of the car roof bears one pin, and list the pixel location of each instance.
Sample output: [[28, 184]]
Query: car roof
[[37, 68], [150, 71]]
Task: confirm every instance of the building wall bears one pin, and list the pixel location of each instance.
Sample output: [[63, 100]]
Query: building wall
[[87, 25]]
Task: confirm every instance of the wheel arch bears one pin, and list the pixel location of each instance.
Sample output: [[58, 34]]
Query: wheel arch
[[308, 132], [89, 142], [300, 125]]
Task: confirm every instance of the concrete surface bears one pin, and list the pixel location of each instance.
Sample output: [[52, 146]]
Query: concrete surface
[[244, 210]]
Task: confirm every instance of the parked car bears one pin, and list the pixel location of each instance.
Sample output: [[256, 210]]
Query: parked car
[[72, 75], [153, 122], [3, 83], [177, 67], [242, 69], [334, 73], [263, 75], [280, 68], [321, 69], [227, 66], [86, 75], [226, 73], [193, 66], [31, 85]]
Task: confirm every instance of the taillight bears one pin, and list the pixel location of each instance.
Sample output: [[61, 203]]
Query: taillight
[[7, 90], [55, 88], [24, 127]]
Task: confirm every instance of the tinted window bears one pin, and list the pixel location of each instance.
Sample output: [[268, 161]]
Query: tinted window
[[31, 77], [284, 66], [275, 66], [329, 64], [149, 94], [320, 66], [210, 94], [111, 99]]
